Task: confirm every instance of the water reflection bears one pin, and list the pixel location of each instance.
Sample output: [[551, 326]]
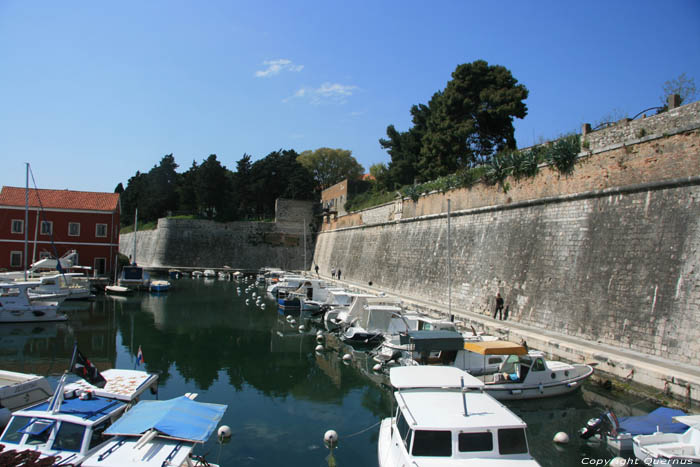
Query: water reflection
[[282, 393]]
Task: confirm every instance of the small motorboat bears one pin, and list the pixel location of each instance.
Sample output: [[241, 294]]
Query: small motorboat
[[671, 448], [160, 286]]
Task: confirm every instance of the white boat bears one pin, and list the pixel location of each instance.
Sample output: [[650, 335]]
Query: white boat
[[527, 374], [443, 418], [68, 427], [117, 290], [209, 273], [338, 317], [671, 448], [286, 283], [20, 390], [197, 274], [134, 277], [16, 306], [159, 433]]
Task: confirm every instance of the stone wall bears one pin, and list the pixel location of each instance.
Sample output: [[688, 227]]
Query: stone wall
[[609, 254], [615, 266], [244, 245]]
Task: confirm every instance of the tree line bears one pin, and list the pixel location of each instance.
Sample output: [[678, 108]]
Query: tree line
[[209, 190]]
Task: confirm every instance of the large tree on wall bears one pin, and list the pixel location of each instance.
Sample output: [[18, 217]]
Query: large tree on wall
[[330, 166], [472, 118]]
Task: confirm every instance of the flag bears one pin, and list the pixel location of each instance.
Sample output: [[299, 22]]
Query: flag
[[86, 370], [139, 357]]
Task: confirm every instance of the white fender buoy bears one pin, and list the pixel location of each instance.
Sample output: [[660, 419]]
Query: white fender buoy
[[293, 322], [330, 439], [262, 306], [319, 338], [319, 348], [618, 462], [302, 327], [247, 301], [377, 367], [561, 438], [224, 432], [347, 357], [289, 318]]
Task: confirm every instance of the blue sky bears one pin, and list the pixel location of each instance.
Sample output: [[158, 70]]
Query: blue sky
[[91, 92]]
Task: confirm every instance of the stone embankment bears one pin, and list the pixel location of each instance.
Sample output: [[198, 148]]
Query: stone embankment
[[600, 266]]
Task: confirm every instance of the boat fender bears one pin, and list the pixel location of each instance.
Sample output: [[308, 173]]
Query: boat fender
[[541, 388], [561, 438], [330, 439]]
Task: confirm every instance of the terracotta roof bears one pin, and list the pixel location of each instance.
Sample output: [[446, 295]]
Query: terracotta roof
[[60, 199]]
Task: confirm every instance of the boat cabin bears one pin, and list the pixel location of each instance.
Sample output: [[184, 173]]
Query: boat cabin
[[443, 414]]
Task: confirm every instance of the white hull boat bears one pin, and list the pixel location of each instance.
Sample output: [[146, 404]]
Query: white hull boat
[[444, 419], [671, 448], [20, 390], [16, 305]]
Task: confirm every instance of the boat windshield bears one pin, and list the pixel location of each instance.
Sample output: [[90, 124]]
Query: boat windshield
[[512, 441], [69, 437], [38, 430], [433, 443], [12, 433], [475, 442]]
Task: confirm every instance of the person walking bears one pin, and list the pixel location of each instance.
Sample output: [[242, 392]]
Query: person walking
[[333, 273], [316, 268], [499, 307], [338, 273]]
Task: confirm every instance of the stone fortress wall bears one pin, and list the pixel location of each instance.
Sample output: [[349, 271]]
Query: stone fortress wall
[[240, 245], [610, 254]]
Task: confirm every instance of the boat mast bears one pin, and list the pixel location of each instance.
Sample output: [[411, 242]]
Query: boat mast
[[136, 217], [26, 219], [304, 244], [449, 266]]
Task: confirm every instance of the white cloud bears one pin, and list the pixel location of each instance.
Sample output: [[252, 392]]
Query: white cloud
[[327, 92], [275, 67]]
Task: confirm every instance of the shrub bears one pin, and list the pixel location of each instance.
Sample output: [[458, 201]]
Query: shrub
[[563, 153]]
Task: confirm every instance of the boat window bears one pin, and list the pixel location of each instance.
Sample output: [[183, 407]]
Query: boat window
[[473, 442], [538, 365], [69, 437], [402, 426], [12, 433], [512, 441], [38, 431], [495, 360], [97, 431], [432, 443], [9, 292]]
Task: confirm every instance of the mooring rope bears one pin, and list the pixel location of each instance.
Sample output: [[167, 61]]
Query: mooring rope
[[362, 431]]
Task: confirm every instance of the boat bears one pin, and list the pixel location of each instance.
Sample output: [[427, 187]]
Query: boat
[[444, 418], [375, 318], [527, 374], [618, 433], [197, 274], [159, 433], [134, 277], [117, 290], [286, 283], [175, 273], [16, 305], [209, 273], [67, 428], [20, 390], [160, 286], [671, 448]]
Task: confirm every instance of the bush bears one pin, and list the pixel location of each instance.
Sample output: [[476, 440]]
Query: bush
[[563, 153]]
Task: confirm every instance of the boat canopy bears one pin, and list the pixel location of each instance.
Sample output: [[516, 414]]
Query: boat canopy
[[495, 348], [426, 341], [690, 420], [660, 419], [179, 418], [413, 377]]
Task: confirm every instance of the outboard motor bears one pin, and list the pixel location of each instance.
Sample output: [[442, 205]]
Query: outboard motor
[[605, 425]]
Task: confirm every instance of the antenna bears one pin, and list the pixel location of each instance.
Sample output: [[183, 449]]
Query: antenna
[[464, 397]]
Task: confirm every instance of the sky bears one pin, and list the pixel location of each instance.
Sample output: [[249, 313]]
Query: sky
[[91, 92]]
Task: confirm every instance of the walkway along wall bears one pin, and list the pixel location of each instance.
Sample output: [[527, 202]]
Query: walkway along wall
[[240, 245], [610, 254]]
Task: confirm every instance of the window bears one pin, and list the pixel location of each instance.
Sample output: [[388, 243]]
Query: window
[[101, 230], [403, 429], [538, 365], [69, 437], [44, 255], [38, 431], [17, 226], [46, 227], [100, 265], [74, 229], [474, 442], [15, 259], [512, 441], [97, 431], [432, 443], [12, 433]]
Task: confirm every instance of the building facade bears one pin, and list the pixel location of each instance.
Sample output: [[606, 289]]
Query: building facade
[[56, 222]]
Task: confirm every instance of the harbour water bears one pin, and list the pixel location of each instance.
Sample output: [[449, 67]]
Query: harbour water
[[282, 395]]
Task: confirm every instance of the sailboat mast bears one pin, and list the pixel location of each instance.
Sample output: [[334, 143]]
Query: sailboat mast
[[26, 219], [136, 218]]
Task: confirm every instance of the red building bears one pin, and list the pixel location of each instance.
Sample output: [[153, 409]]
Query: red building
[[73, 220]]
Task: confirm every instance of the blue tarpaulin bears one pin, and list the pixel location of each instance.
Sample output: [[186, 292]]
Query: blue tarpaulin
[[179, 418], [647, 424]]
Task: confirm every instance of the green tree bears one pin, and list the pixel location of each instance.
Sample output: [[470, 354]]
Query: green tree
[[404, 149], [330, 166], [212, 187], [472, 119]]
